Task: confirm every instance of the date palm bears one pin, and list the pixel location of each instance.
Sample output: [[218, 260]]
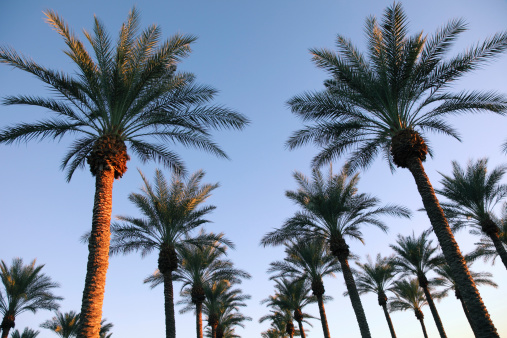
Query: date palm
[[485, 247], [409, 296], [170, 213], [281, 323], [25, 288], [385, 102], [128, 94], [27, 333], [333, 210], [415, 257], [229, 319], [446, 280], [65, 325], [377, 277], [473, 193], [309, 260]]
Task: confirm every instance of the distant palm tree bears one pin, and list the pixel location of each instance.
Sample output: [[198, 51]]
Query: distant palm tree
[[377, 278], [409, 296], [171, 212], [415, 257], [292, 295], [386, 100], [281, 323], [65, 325], [27, 333], [446, 280], [309, 260], [26, 288], [229, 319], [473, 193], [105, 327], [332, 210], [129, 94]]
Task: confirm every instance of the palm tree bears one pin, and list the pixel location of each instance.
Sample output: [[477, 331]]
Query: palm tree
[[129, 94], [27, 333], [416, 256], [292, 295], [309, 260], [332, 210], [474, 193], [409, 296], [385, 101], [65, 325], [281, 323], [105, 327], [200, 266], [377, 278], [221, 298], [26, 288], [171, 212], [229, 318], [446, 280]]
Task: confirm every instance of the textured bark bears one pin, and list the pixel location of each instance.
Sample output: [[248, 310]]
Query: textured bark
[[480, 317], [7, 324], [389, 322], [354, 298], [289, 328], [424, 285], [213, 331], [198, 319], [98, 257], [500, 248], [467, 314], [170, 322], [323, 318]]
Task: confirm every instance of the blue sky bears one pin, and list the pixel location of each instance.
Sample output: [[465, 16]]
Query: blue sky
[[256, 54]]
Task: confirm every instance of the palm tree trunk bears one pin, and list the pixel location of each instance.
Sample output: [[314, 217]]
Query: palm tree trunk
[[198, 319], [301, 330], [471, 296], [500, 248], [170, 322], [467, 314], [354, 298], [389, 322], [434, 311], [214, 331], [98, 257], [421, 320], [323, 318], [5, 333]]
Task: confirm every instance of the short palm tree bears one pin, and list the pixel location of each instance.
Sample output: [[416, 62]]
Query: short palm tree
[[415, 257], [171, 212], [446, 280], [309, 260], [473, 194], [281, 323], [65, 325], [26, 288], [333, 210], [384, 102], [409, 296], [292, 295], [27, 333], [130, 93], [377, 277], [228, 320]]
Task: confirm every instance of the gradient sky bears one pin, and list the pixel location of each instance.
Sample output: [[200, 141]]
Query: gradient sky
[[256, 54]]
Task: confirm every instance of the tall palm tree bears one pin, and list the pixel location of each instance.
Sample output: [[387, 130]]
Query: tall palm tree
[[65, 325], [27, 333], [129, 93], [26, 288], [377, 278], [229, 319], [416, 256], [309, 260], [171, 211], [292, 295], [281, 323], [446, 280], [332, 210], [473, 193], [409, 296], [200, 266], [385, 101]]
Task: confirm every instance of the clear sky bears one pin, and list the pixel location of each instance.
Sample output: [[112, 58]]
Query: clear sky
[[256, 54]]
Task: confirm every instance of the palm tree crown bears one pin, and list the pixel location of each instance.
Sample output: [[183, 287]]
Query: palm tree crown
[[26, 288], [27, 333], [64, 325]]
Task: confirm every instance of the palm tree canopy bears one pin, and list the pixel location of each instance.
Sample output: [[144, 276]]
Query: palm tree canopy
[[408, 296], [64, 325], [400, 83], [129, 91], [375, 277], [27, 333], [26, 288]]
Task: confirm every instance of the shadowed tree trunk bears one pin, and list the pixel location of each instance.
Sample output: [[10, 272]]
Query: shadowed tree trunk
[[382, 301], [318, 291], [170, 325], [289, 328], [481, 320], [98, 257], [198, 319], [423, 283], [420, 316], [467, 314], [492, 230], [7, 324], [298, 316]]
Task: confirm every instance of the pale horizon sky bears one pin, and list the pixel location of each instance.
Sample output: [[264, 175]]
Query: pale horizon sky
[[256, 54]]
